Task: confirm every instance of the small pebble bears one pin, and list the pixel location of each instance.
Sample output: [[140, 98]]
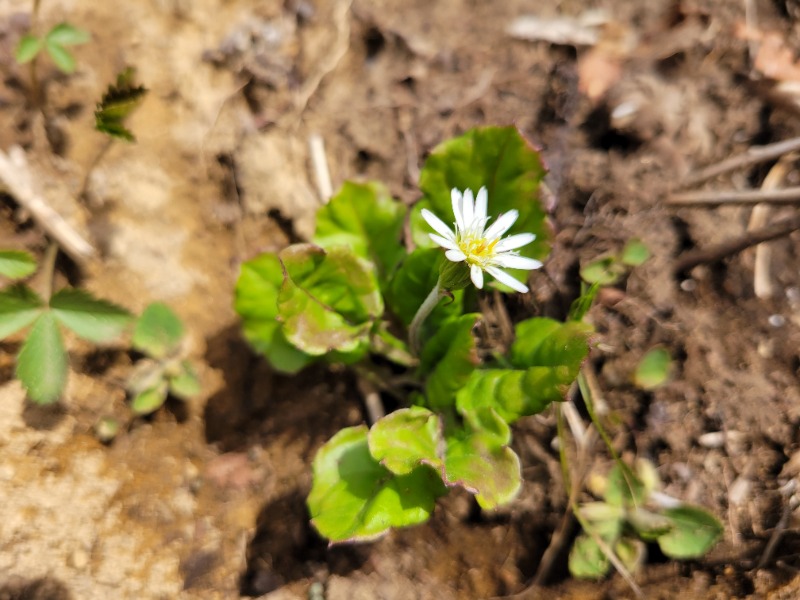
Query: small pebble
[[777, 320], [79, 559], [688, 285]]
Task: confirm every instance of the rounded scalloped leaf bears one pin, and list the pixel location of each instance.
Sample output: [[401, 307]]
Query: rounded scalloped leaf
[[355, 498], [498, 158], [407, 438]]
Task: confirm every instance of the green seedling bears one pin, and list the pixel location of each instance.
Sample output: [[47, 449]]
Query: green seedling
[[653, 370], [55, 43], [158, 335], [356, 293], [117, 104], [609, 269], [632, 513], [42, 362]]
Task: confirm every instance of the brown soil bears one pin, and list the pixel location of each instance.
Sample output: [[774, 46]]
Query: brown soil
[[207, 500]]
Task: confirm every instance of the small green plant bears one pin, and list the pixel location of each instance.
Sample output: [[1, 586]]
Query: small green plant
[[55, 42], [609, 269], [42, 362], [634, 512], [159, 335], [356, 295], [653, 370], [116, 105]]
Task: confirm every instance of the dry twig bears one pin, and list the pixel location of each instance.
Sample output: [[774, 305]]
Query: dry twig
[[319, 161], [788, 195]]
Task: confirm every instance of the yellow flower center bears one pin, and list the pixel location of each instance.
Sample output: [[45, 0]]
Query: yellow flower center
[[478, 250]]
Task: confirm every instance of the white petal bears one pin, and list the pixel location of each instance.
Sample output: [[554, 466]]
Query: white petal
[[455, 255], [503, 224], [507, 279], [468, 207], [481, 204], [476, 274], [443, 242], [455, 197], [514, 241], [513, 261], [437, 224]]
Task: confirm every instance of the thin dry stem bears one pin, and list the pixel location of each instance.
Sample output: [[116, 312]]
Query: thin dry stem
[[319, 162], [789, 195]]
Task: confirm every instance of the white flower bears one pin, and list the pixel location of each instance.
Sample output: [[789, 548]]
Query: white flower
[[482, 248]]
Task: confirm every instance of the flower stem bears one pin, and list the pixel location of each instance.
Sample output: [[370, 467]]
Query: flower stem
[[422, 313]]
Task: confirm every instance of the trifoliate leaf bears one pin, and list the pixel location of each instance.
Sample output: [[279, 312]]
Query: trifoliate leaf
[[694, 532], [407, 438], [65, 34], [256, 302], [186, 384], [19, 307], [16, 264], [117, 104], [328, 300], [42, 361], [150, 400], [29, 46], [448, 359], [61, 57], [498, 158], [355, 498], [367, 219], [653, 369], [158, 331], [91, 318]]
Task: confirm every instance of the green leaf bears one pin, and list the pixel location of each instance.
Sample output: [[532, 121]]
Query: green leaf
[[355, 498], [412, 283], [42, 361], [624, 488], [581, 305], [631, 552], [653, 369], [603, 271], [158, 331], [61, 57], [367, 219], [634, 253], [16, 264], [448, 360], [603, 519], [498, 158], [185, 384], [117, 104], [256, 302], [542, 342], [19, 307], [28, 48], [407, 438], [65, 34], [150, 400], [479, 460], [587, 560], [91, 318], [648, 525], [694, 532], [328, 300]]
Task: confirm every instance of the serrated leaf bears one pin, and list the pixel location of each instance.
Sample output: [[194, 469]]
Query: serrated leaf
[[65, 34], [28, 48], [42, 361], [480, 461], [19, 307], [448, 359], [634, 253], [411, 284], [16, 264], [366, 218], [117, 104], [61, 56], [498, 158], [603, 271], [587, 560], [185, 385], [407, 438], [158, 331], [355, 498], [150, 400], [89, 317], [653, 369], [328, 300], [256, 302], [694, 532]]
